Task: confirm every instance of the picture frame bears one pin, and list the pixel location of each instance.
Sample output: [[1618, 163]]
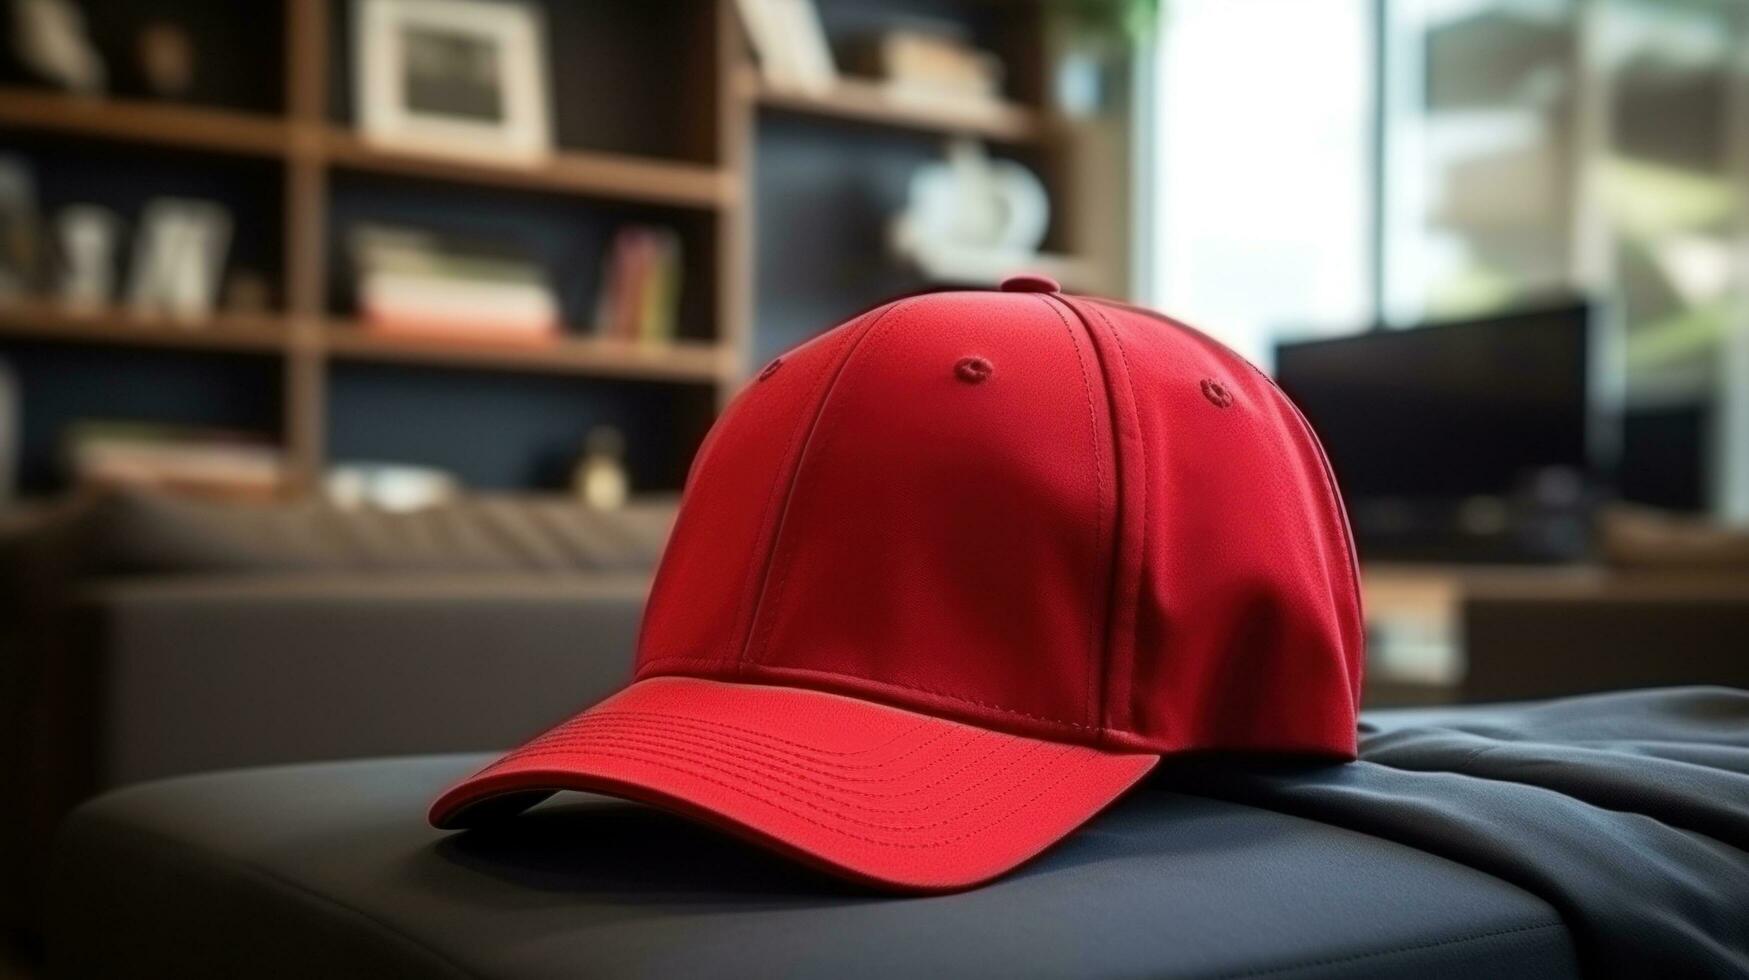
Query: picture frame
[[464, 77], [180, 249]]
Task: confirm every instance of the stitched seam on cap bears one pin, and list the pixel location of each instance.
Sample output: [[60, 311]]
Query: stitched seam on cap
[[751, 588], [818, 395], [808, 671], [741, 787], [742, 729], [705, 742], [778, 588], [1094, 656], [577, 733], [802, 780], [1140, 468]]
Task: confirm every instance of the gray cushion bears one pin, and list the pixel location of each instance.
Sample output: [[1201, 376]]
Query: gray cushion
[[330, 870]]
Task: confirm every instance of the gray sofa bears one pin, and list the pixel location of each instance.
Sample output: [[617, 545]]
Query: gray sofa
[[146, 637], [1598, 836], [331, 871]]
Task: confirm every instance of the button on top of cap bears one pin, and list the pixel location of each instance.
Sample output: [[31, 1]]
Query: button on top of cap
[[1029, 283]]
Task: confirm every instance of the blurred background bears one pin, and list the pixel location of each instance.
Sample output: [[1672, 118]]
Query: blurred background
[[347, 344]]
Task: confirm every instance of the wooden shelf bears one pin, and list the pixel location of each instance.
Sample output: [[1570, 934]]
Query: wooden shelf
[[39, 320], [596, 174], [683, 361], [141, 121], [872, 103], [605, 175], [687, 361]]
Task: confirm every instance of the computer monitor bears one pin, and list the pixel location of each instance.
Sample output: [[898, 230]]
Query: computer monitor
[[1463, 439]]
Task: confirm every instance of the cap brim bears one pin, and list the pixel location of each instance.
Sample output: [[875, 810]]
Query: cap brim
[[875, 793]]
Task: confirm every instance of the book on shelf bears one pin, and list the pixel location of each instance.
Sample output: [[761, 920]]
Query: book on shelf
[[924, 63], [789, 43], [419, 284], [638, 298], [204, 462]]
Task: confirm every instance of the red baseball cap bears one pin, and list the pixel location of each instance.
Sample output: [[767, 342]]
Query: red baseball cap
[[950, 578]]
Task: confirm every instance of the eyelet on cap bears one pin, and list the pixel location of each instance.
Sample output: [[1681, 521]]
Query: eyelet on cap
[[1216, 393], [770, 369], [973, 370]]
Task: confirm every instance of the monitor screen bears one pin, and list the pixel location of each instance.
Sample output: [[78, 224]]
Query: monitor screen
[[1447, 411]]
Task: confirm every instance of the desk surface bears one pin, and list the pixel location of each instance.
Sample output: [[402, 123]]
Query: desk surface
[[1413, 611]]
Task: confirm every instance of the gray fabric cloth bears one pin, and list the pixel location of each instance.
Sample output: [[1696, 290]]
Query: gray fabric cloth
[[331, 870], [1629, 812]]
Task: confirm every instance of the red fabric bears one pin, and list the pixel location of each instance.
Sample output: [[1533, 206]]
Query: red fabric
[[1114, 534], [1248, 631], [711, 573], [887, 796], [967, 524]]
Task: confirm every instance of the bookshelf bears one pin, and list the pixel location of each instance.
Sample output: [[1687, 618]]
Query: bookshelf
[[695, 165], [134, 120], [601, 175]]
